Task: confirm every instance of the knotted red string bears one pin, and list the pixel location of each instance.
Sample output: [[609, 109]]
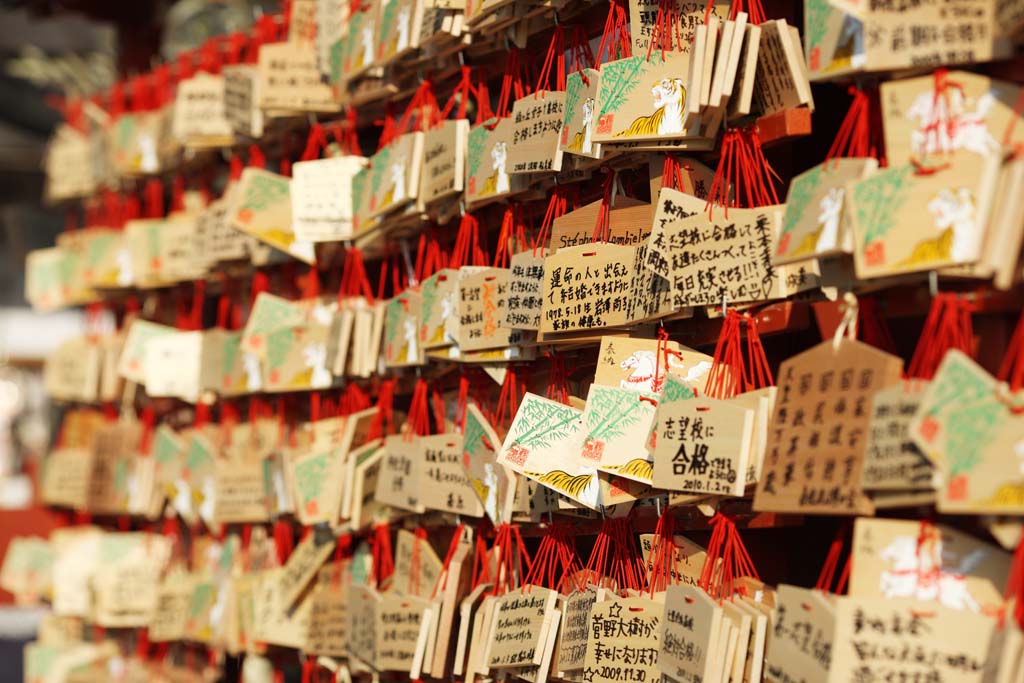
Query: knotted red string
[[871, 325], [662, 558], [345, 133], [509, 398], [753, 8], [731, 374], [947, 326], [1011, 370], [467, 250], [512, 81], [383, 559], [284, 540], [555, 564], [382, 423], [511, 557], [603, 225], [453, 546], [828, 570], [557, 206], [419, 417], [666, 25], [1015, 584], [743, 176], [727, 559], [941, 126], [459, 95], [853, 138]]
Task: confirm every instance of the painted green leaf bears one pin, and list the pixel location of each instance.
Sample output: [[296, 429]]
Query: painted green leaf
[[264, 191], [877, 200], [676, 390], [611, 411], [311, 475], [540, 423], [378, 169], [478, 137], [279, 344], [573, 86], [816, 16], [801, 191], [619, 79], [969, 431]]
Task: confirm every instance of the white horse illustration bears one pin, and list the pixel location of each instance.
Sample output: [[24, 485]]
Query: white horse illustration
[[366, 38], [643, 365], [944, 125], [125, 272], [915, 571], [588, 125], [314, 357], [956, 211], [397, 182], [409, 334], [499, 157], [253, 371], [403, 27], [829, 210]]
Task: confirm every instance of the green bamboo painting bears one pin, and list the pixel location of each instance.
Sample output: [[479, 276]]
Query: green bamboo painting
[[229, 354], [336, 59], [611, 411], [379, 166], [387, 26], [202, 597], [801, 191], [279, 345], [816, 16], [272, 312], [676, 390], [477, 148], [969, 431], [573, 86], [393, 313], [428, 296], [957, 384], [540, 423], [166, 446], [311, 475], [115, 547], [878, 199], [619, 79], [199, 456], [264, 191]]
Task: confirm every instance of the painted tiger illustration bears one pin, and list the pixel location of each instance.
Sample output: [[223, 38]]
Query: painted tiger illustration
[[582, 487], [667, 119], [953, 212], [581, 140], [497, 182], [640, 469]]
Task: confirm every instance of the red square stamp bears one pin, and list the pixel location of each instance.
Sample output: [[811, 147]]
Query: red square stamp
[[517, 454], [593, 449]]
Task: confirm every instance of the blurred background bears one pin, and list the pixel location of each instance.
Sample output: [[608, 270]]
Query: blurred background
[[49, 50]]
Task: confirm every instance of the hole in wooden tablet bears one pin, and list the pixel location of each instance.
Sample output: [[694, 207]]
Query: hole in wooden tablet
[[702, 409], [806, 606], [590, 253], [690, 600], [442, 278], [489, 278], [636, 609], [450, 444]]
